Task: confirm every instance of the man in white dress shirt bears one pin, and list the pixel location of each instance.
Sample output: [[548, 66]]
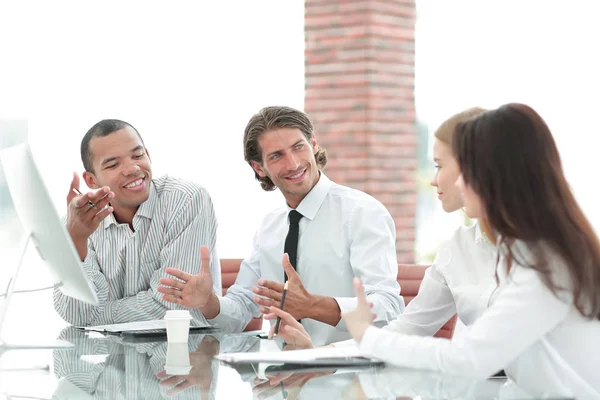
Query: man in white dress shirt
[[343, 233]]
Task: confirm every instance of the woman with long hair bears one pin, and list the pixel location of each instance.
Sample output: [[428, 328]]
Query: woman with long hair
[[542, 324]]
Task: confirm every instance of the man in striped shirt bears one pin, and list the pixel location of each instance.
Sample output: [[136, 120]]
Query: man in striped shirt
[[132, 227], [134, 370]]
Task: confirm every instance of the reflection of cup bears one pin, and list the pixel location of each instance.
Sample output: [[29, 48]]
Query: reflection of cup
[[178, 359], [178, 326]]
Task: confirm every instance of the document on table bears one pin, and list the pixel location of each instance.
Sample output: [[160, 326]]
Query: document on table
[[127, 326], [152, 326], [318, 356]]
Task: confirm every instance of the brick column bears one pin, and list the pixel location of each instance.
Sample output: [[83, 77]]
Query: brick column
[[360, 95]]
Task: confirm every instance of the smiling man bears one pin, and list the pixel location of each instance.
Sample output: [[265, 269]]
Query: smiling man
[[332, 234], [131, 227]]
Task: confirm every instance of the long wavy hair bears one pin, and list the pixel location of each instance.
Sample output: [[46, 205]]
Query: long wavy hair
[[509, 158]]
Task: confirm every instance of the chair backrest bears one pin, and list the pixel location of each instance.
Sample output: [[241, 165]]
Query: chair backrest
[[230, 267], [410, 277]]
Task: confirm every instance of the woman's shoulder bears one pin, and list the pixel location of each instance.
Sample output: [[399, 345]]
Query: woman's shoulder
[[466, 237], [538, 261], [466, 243]]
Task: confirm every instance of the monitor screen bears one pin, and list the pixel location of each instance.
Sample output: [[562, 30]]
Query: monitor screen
[[12, 132], [38, 216]]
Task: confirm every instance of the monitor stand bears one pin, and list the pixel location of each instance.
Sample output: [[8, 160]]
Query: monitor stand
[[4, 346]]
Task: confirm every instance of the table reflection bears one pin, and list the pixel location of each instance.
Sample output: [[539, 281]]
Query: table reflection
[[107, 367], [414, 384], [318, 384]]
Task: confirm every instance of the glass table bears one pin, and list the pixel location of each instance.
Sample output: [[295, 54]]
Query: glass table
[[111, 367]]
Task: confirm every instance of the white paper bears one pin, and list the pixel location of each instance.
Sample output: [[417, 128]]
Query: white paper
[[128, 326], [293, 357]]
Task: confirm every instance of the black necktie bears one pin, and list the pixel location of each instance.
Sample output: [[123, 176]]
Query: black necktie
[[291, 240]]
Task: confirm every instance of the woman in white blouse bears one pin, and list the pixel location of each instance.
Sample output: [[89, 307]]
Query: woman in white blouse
[[542, 322]]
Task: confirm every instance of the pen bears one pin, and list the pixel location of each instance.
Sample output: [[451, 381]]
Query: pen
[[284, 393], [285, 287], [89, 202], [258, 334]]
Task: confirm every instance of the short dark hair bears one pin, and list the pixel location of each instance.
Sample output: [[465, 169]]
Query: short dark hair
[[271, 118], [101, 129]]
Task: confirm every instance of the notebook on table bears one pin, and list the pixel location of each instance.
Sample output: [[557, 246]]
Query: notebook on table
[[326, 356], [157, 327]]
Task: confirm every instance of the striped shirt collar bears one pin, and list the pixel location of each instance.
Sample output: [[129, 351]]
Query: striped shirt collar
[[146, 209]]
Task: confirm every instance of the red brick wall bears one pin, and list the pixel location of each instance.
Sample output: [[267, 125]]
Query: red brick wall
[[360, 94]]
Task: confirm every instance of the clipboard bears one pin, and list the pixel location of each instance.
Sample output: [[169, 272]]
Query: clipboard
[[157, 327], [158, 335], [323, 357], [348, 367]]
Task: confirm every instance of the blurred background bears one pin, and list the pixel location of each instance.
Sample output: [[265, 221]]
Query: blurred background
[[376, 76]]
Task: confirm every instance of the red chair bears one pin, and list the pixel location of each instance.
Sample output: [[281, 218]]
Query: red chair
[[230, 267], [409, 278]]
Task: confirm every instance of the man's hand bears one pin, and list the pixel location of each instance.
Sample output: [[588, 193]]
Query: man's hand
[[287, 385], [190, 291], [292, 332], [298, 302], [358, 320], [201, 374], [82, 218]]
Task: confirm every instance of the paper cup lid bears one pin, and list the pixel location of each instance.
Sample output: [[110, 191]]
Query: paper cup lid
[[178, 314], [172, 370]]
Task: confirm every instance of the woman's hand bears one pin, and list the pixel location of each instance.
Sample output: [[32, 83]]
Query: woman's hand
[[358, 320], [292, 331]]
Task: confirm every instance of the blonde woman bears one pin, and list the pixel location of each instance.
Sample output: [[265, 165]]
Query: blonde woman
[[542, 324]]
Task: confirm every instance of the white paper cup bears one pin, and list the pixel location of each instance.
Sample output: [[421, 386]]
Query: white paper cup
[[170, 370], [178, 359], [178, 326]]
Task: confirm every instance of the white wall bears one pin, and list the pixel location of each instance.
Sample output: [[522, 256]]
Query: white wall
[[187, 74], [190, 74], [487, 53]]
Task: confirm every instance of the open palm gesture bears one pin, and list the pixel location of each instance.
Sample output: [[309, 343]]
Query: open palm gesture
[[190, 291]]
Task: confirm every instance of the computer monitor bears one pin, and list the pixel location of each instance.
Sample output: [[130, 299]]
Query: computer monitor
[[12, 132], [40, 220]]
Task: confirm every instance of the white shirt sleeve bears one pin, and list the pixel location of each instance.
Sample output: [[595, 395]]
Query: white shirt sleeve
[[433, 306], [373, 260], [523, 312], [345, 343], [430, 310], [238, 306]]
